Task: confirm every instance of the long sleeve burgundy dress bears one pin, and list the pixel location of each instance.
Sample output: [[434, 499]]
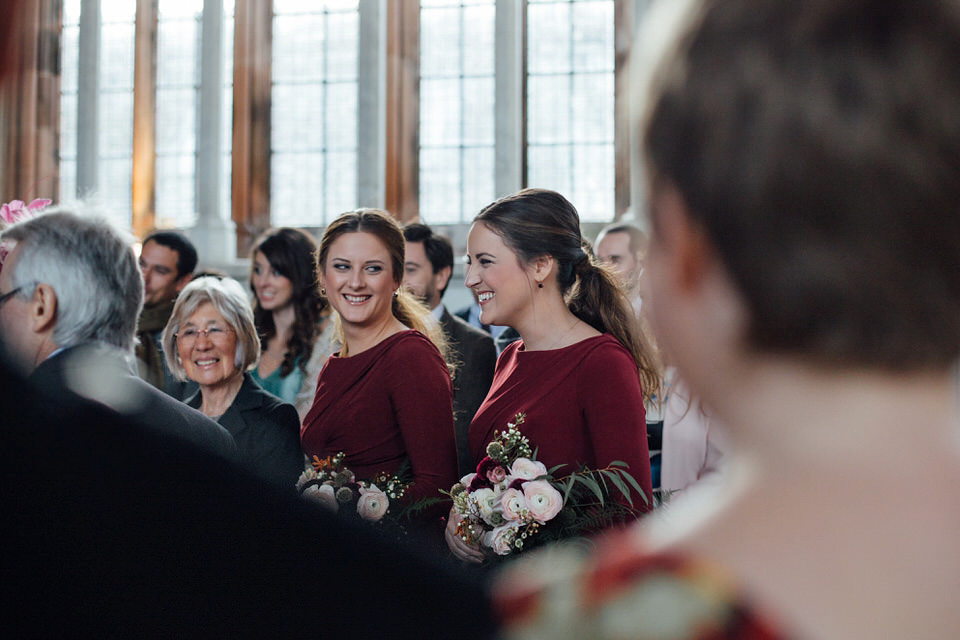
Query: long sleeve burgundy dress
[[583, 406], [390, 402]]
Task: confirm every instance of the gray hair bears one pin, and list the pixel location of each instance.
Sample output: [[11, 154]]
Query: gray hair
[[91, 268], [230, 299]]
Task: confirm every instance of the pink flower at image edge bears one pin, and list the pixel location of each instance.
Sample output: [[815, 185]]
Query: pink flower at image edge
[[15, 210]]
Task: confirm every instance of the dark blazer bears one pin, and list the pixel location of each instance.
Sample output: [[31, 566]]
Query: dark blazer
[[476, 357], [102, 373], [267, 432]]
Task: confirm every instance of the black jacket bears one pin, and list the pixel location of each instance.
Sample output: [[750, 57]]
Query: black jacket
[[266, 430], [103, 374]]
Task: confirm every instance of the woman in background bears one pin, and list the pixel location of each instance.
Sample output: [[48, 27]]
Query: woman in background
[[385, 398], [211, 339], [288, 310], [582, 366]]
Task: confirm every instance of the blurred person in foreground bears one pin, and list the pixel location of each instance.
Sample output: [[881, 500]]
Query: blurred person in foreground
[[211, 339], [803, 158], [70, 294]]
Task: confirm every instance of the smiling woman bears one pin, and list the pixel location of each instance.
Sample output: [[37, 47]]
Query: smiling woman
[[386, 396], [211, 339], [291, 318]]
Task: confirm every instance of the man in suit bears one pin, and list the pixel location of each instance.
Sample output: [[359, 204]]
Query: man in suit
[[427, 269], [71, 293]]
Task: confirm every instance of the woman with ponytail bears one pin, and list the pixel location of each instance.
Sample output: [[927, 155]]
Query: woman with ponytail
[[582, 368], [386, 396]]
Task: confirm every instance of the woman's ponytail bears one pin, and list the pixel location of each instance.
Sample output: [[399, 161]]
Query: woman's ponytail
[[597, 298]]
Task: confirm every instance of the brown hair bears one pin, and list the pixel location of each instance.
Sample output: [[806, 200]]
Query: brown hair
[[817, 144], [539, 222], [291, 252], [405, 307]]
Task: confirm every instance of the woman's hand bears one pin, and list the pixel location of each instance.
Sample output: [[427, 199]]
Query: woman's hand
[[465, 551]]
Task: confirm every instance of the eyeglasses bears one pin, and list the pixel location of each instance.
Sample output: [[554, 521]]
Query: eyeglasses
[[214, 334], [9, 294]]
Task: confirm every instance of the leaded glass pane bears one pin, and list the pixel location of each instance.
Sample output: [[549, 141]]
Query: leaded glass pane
[[456, 109], [314, 111], [570, 102]]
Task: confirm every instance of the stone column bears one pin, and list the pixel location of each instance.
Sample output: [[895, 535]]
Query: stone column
[[371, 118], [509, 107], [88, 96], [214, 235]]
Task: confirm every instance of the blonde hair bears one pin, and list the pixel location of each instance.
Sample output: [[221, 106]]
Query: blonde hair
[[406, 308]]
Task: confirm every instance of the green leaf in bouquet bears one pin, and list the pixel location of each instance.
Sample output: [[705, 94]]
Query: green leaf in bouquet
[[591, 484], [621, 485], [568, 487], [553, 470], [636, 485], [602, 475], [619, 463]]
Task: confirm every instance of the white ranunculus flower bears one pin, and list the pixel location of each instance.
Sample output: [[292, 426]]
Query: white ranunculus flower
[[372, 504], [324, 495], [543, 501], [501, 539], [487, 503], [527, 469], [512, 504]]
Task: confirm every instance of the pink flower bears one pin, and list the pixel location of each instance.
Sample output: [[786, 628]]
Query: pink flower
[[372, 504], [527, 469], [16, 210], [496, 475], [543, 501], [513, 504], [323, 494], [501, 539]]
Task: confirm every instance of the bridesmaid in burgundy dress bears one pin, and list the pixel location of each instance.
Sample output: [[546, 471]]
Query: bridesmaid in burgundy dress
[[582, 366], [386, 396]]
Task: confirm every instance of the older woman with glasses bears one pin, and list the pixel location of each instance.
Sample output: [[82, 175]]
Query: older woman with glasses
[[211, 339]]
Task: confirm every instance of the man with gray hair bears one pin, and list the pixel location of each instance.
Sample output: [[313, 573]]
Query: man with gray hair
[[70, 295]]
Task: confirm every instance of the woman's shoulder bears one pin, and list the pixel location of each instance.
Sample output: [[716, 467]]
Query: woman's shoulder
[[409, 342], [603, 352], [565, 593], [253, 396]]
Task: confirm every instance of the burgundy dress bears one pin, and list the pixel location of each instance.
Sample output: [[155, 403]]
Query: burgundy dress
[[583, 406], [390, 402]]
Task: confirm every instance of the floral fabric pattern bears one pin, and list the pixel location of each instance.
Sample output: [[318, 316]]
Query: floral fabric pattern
[[621, 592]]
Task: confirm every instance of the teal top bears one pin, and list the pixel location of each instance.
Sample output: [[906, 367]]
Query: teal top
[[284, 387]]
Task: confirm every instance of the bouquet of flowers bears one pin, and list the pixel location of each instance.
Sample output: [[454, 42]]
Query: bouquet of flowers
[[514, 502], [335, 487]]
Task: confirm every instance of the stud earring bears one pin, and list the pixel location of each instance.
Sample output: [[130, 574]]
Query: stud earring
[[396, 293], [539, 285], [323, 291]]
